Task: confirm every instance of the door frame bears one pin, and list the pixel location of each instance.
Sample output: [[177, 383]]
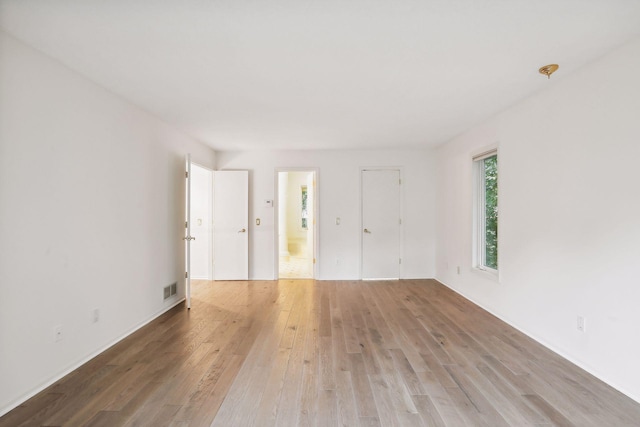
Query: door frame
[[400, 170], [316, 217]]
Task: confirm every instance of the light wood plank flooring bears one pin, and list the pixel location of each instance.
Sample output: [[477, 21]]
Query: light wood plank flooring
[[300, 352]]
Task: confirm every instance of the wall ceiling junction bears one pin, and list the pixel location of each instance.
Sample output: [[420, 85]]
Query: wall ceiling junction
[[283, 74]]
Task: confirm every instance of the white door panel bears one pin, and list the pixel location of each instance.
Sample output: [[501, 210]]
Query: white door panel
[[231, 225], [380, 224], [187, 231], [311, 222], [200, 222]]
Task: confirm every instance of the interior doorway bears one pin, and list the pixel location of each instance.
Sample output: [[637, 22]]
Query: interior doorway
[[296, 219]]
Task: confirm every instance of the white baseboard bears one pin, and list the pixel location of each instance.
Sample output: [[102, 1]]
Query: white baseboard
[[19, 401], [541, 341]]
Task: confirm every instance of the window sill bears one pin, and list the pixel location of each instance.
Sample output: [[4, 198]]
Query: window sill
[[487, 273]]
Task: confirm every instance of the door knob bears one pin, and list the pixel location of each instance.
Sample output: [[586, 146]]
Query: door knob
[[244, 230], [367, 231]]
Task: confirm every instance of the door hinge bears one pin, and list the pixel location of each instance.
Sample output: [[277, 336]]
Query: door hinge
[[186, 224], [399, 260], [186, 275], [314, 260], [400, 221], [400, 181], [186, 174]]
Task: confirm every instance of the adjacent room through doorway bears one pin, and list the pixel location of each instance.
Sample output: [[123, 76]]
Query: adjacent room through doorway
[[296, 224]]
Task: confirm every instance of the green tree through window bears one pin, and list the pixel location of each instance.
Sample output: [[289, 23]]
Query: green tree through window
[[491, 211], [304, 214]]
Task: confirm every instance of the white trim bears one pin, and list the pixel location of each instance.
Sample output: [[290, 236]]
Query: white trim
[[75, 365], [487, 273], [484, 152]]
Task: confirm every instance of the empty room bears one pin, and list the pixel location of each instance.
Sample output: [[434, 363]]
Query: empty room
[[292, 213]]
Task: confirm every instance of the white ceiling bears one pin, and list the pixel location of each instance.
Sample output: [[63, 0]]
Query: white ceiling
[[323, 74]]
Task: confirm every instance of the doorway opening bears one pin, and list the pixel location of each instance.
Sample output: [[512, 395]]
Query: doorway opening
[[297, 207]]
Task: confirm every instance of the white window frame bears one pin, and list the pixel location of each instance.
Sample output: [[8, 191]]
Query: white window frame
[[479, 219]]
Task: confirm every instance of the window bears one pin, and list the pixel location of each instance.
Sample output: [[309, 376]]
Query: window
[[304, 214], [486, 211]]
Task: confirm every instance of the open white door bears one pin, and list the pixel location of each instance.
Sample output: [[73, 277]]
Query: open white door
[[311, 222], [231, 225], [187, 232], [380, 224], [201, 223]]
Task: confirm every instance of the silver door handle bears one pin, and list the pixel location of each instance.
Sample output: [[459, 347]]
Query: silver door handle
[[244, 230], [367, 231], [188, 238]]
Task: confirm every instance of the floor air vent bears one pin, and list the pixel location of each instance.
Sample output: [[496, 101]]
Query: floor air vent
[[169, 291]]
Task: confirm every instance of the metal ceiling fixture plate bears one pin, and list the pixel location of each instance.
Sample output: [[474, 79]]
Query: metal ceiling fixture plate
[[547, 70]]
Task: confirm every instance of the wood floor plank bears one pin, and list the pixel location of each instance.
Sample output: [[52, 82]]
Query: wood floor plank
[[551, 413], [202, 411], [444, 404], [308, 403], [105, 419], [428, 411], [383, 401], [528, 412], [36, 409], [479, 400], [327, 408], [268, 410], [290, 398], [361, 387], [338, 342], [403, 366], [347, 412], [316, 353]]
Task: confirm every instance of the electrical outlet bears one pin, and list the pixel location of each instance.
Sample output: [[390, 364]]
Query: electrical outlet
[[95, 315], [458, 269], [57, 333], [581, 324]]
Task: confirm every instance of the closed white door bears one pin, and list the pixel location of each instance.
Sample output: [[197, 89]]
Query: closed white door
[[381, 224], [231, 225]]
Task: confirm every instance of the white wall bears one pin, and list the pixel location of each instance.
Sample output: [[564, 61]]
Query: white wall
[[569, 227], [339, 196], [91, 216]]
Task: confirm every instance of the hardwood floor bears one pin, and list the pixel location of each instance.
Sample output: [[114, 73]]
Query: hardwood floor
[[300, 352]]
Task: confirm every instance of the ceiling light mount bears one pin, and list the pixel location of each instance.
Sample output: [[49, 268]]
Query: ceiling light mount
[[547, 70]]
